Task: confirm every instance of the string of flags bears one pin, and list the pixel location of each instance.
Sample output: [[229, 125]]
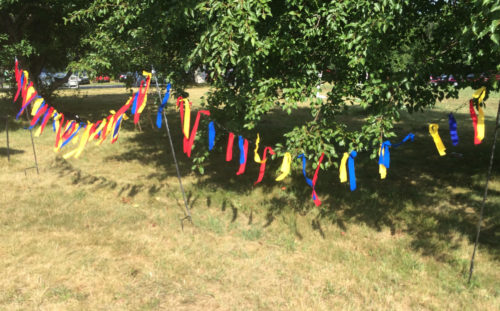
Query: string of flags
[[66, 129], [80, 133], [347, 163]]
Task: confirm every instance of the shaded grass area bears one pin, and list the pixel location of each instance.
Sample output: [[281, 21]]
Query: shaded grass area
[[104, 231]]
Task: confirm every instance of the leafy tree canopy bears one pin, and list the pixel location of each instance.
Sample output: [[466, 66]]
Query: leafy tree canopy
[[36, 33], [376, 55]]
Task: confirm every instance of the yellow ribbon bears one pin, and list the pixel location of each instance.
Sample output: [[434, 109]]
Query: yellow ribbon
[[83, 141], [256, 156], [187, 118], [145, 74], [99, 128], [433, 130], [29, 93], [342, 168], [285, 166], [480, 123], [36, 105], [382, 170], [39, 130], [480, 94]]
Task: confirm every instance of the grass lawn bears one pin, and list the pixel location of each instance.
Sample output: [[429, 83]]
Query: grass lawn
[[103, 232]]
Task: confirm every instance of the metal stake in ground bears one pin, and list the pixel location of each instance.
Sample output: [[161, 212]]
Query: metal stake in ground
[[7, 133], [497, 126], [187, 213]]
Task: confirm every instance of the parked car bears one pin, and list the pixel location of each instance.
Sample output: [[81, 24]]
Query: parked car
[[102, 79], [46, 78], [83, 78], [73, 81]]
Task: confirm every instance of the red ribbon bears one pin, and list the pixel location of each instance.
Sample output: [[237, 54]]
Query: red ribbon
[[190, 142], [229, 150], [263, 164], [38, 114], [104, 130], [474, 121], [315, 178], [46, 118], [241, 170], [94, 127], [140, 99], [59, 130]]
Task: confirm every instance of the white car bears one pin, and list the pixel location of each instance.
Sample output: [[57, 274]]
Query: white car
[[73, 82]]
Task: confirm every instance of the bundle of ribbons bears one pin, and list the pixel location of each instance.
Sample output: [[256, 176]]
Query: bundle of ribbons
[[70, 130], [347, 163], [476, 103]]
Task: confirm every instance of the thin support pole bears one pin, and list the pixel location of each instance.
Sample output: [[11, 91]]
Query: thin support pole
[[34, 152], [7, 133], [187, 212], [497, 126]]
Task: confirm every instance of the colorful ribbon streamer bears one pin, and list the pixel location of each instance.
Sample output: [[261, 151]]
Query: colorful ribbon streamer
[[190, 141], [263, 164], [243, 144], [211, 135], [159, 115], [475, 125], [479, 94], [256, 156], [408, 137], [348, 159], [433, 130], [312, 183], [285, 166], [229, 150], [453, 129], [384, 159], [46, 118]]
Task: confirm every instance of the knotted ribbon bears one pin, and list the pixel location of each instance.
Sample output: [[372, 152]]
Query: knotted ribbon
[[159, 115], [229, 150], [453, 129], [243, 144], [348, 159], [263, 164], [433, 130], [256, 156], [312, 183], [211, 135], [384, 159], [285, 166], [190, 141]]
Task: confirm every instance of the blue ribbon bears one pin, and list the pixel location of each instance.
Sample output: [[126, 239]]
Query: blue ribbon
[[410, 136], [304, 160], [73, 135], [241, 144], [162, 106], [134, 105], [352, 174], [453, 129], [385, 157], [211, 135], [54, 122], [117, 125], [39, 117]]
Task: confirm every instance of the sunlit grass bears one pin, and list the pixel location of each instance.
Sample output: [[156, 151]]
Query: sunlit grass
[[104, 231]]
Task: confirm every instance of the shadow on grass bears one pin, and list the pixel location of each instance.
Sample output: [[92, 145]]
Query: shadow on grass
[[432, 199]]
